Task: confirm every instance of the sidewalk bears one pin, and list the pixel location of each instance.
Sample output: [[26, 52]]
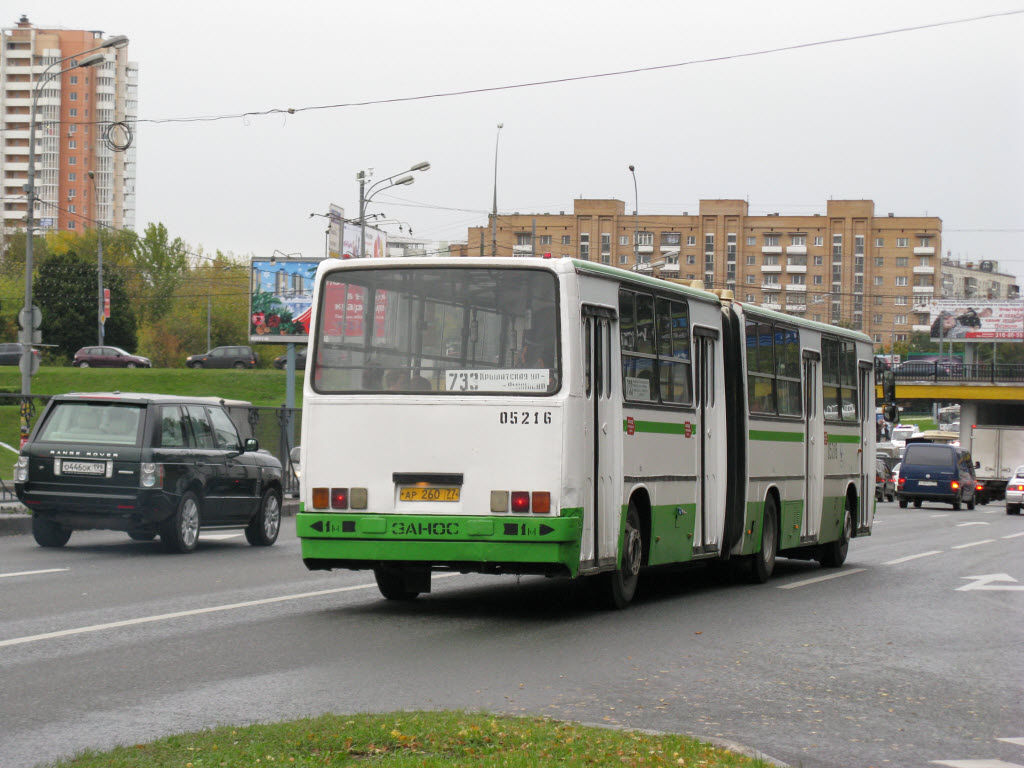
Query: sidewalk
[[15, 519]]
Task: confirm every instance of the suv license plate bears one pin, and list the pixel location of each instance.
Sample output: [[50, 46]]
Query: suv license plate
[[83, 468], [926, 482], [428, 494]]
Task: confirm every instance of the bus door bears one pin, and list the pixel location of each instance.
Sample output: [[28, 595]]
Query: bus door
[[709, 502], [866, 414], [599, 546], [814, 447]]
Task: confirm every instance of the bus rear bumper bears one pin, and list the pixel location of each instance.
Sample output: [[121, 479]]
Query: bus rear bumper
[[527, 545]]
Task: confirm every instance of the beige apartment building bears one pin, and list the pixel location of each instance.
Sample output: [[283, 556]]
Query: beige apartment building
[[847, 266], [73, 113]]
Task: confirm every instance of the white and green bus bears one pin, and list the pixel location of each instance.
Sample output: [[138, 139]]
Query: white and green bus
[[560, 417]]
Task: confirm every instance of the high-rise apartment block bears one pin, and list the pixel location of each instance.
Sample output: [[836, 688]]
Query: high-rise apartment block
[[846, 266], [84, 173]]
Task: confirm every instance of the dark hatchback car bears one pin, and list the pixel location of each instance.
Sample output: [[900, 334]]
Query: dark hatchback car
[[148, 465], [10, 353], [224, 357], [936, 472], [281, 361], [109, 357]]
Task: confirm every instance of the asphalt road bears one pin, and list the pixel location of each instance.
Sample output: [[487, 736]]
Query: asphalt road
[[908, 655]]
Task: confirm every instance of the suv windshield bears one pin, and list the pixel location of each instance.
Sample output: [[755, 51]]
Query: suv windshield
[[454, 329], [930, 455], [87, 422]]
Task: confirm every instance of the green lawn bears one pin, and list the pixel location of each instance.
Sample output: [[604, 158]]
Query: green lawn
[[259, 387], [407, 739]]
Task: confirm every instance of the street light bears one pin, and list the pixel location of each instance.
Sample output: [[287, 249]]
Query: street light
[[636, 222], [494, 211], [365, 195], [99, 264], [118, 41]]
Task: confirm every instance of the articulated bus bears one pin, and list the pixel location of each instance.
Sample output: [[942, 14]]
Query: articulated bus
[[561, 417]]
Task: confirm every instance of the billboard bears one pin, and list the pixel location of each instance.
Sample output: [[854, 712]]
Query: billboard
[[976, 320], [375, 243], [281, 299]]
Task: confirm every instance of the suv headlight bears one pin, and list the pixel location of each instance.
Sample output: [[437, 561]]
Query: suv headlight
[[21, 470]]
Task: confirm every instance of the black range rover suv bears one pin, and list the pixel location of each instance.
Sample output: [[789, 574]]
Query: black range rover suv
[[146, 464]]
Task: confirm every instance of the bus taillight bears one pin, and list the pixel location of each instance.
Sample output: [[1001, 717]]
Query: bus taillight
[[321, 498], [520, 501], [541, 502], [339, 498]]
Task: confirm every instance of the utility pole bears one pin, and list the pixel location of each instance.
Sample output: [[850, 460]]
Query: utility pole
[[494, 211]]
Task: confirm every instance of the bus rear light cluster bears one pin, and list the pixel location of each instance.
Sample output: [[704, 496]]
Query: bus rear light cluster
[[539, 502], [339, 498]]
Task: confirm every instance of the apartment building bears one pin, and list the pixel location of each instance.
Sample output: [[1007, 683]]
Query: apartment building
[[847, 266], [84, 173]]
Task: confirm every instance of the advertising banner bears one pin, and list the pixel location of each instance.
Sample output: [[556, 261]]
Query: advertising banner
[[336, 216], [976, 320], [281, 300], [375, 244]]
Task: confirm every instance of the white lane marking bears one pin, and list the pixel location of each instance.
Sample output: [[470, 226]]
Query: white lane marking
[[1014, 535], [973, 544], [976, 764], [218, 536], [183, 614], [32, 573], [986, 582], [943, 515], [1018, 741], [815, 580], [975, 522], [913, 557]]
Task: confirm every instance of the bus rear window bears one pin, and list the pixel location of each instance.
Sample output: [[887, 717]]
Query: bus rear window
[[437, 329]]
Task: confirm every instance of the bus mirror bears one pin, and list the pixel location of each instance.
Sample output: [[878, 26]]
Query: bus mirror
[[889, 412], [889, 387]]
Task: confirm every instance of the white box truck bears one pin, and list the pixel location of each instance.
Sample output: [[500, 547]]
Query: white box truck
[[996, 452]]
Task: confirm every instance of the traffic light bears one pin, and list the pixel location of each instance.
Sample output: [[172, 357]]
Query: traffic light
[[889, 387]]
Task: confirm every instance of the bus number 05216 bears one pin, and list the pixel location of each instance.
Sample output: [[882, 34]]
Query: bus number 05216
[[524, 417]]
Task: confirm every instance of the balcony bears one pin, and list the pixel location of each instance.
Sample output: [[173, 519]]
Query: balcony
[[796, 287], [771, 287], [930, 289], [771, 249], [771, 268], [924, 270], [924, 250], [797, 250], [798, 269], [920, 328], [796, 307], [669, 249], [645, 249], [522, 250], [771, 305]]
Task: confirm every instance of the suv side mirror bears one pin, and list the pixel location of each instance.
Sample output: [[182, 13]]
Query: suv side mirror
[[251, 445]]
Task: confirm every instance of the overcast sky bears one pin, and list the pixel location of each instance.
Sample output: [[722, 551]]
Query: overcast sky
[[925, 122]]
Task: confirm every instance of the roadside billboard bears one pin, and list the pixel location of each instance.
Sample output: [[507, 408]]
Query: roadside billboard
[[281, 299], [976, 320], [375, 244]]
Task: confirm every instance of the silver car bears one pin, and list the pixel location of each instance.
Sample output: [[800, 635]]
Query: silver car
[[1015, 492]]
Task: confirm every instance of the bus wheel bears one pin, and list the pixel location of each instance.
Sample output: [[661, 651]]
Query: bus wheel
[[621, 583], [397, 583], [763, 563], [833, 554]]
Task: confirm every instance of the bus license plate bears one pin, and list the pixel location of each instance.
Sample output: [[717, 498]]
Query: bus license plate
[[83, 467], [428, 494]]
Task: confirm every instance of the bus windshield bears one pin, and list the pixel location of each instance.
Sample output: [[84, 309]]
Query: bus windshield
[[437, 329]]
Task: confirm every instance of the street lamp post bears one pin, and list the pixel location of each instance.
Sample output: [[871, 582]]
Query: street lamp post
[[100, 314], [119, 41], [365, 195], [494, 211], [636, 221]]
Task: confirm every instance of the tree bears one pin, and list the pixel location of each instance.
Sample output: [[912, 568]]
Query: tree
[[161, 266], [65, 291]]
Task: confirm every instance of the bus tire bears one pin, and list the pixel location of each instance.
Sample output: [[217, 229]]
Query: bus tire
[[762, 563], [621, 583], [392, 583], [834, 553]]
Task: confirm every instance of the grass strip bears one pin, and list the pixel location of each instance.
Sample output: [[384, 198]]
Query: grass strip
[[421, 739]]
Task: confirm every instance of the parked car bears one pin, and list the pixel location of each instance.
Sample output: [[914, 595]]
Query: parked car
[[1015, 492], [928, 368], [281, 361], [11, 352], [146, 464], [109, 357], [884, 487], [224, 357], [936, 472]]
